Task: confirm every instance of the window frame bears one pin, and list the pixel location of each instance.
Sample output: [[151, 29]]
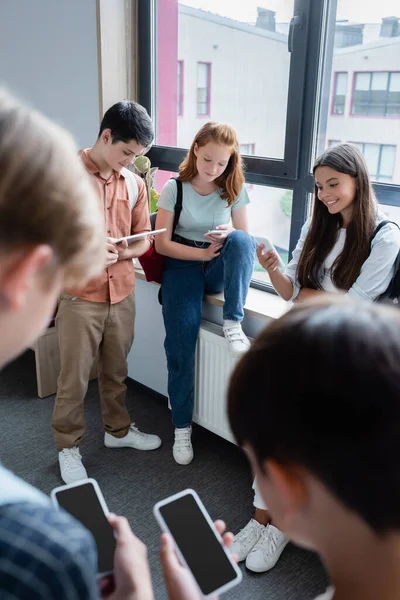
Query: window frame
[[309, 97]]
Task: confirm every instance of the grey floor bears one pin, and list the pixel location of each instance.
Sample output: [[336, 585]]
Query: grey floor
[[133, 481]]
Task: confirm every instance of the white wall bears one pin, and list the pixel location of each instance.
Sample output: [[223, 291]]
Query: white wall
[[48, 57]]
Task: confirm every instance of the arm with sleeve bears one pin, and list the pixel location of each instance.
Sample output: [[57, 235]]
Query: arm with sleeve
[[167, 199], [378, 270], [242, 200]]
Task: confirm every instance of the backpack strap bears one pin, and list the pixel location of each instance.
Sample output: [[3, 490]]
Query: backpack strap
[[378, 228], [178, 205], [131, 184]]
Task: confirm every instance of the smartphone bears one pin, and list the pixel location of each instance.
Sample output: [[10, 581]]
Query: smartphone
[[84, 501], [197, 542], [215, 232], [269, 246], [139, 236]]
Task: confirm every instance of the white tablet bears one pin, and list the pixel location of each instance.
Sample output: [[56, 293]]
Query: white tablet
[[139, 236]]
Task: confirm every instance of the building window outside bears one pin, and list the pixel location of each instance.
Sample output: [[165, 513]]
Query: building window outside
[[339, 94], [333, 143], [377, 94], [380, 160], [247, 149], [203, 88], [179, 103]]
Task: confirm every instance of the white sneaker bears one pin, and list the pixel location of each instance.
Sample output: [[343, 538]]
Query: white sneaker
[[71, 466], [183, 450], [267, 550], [246, 539], [133, 439], [238, 343]]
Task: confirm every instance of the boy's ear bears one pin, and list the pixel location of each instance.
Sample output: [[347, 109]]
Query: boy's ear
[[20, 274], [289, 485], [106, 136]]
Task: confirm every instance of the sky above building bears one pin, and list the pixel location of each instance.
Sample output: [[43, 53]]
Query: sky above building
[[367, 11]]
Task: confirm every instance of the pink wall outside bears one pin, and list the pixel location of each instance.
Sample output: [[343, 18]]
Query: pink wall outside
[[167, 66]]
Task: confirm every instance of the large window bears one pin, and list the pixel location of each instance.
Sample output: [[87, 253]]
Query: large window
[[203, 93], [281, 72], [340, 91], [377, 94]]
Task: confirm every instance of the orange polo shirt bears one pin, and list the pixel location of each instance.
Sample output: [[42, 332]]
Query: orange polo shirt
[[118, 280]]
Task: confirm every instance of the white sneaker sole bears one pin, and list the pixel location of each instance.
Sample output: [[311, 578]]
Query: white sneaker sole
[[183, 461], [120, 444]]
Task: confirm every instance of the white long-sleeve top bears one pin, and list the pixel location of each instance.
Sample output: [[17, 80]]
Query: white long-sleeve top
[[376, 272]]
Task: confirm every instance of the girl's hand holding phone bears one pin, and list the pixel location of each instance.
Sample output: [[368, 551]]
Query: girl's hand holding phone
[[178, 580], [269, 261], [213, 250], [219, 237]]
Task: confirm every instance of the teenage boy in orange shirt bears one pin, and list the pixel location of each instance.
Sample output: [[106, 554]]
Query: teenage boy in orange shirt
[[98, 320]]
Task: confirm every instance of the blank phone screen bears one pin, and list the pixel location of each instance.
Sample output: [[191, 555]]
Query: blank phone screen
[[83, 504], [196, 541]]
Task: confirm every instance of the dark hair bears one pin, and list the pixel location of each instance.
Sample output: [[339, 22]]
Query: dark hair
[[320, 388], [324, 228], [128, 121]]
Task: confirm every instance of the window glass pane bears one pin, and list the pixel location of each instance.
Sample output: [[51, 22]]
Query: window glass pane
[[245, 44], [394, 82], [379, 81], [269, 212], [366, 47], [388, 155], [202, 75], [371, 153], [341, 84], [363, 81]]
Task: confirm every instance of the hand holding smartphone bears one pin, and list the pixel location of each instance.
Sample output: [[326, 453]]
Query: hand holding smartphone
[[198, 544], [267, 247], [84, 501]]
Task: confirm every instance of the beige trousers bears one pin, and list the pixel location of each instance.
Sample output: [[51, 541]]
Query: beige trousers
[[86, 331]]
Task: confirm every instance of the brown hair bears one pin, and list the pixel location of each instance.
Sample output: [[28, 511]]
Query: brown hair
[[46, 196], [232, 179], [324, 228]]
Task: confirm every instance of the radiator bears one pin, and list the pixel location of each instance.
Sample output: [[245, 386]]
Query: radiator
[[214, 364]]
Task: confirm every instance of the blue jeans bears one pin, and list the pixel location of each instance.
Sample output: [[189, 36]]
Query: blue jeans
[[183, 286]]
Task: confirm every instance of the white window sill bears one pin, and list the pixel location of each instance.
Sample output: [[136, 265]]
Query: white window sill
[[260, 304]]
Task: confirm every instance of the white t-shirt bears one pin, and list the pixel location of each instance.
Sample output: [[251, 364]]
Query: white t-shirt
[[199, 213], [327, 283]]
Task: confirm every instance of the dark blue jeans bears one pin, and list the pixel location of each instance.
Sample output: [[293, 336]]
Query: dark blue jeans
[[183, 287]]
